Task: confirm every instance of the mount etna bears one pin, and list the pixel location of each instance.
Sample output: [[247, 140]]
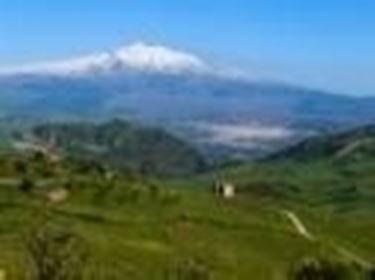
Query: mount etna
[[180, 92]]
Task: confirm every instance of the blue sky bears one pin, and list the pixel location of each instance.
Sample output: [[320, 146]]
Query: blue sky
[[328, 44]]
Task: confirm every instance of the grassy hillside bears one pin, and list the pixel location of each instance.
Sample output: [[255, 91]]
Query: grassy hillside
[[85, 222], [121, 144], [350, 145]]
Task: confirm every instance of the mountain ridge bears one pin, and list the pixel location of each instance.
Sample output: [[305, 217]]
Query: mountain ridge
[[138, 56], [179, 92], [348, 146], [122, 145]]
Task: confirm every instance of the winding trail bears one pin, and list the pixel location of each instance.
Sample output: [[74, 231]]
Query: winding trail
[[351, 256], [298, 225], [305, 233]]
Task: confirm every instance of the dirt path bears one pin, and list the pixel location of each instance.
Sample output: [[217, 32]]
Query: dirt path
[[351, 256], [304, 232], [298, 225]]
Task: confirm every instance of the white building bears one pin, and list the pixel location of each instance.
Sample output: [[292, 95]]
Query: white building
[[225, 190]]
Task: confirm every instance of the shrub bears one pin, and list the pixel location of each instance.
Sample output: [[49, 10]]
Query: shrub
[[371, 274], [191, 269], [319, 269], [27, 185], [56, 254]]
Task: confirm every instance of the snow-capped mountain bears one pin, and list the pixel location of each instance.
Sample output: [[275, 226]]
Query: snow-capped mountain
[[139, 56], [180, 92]]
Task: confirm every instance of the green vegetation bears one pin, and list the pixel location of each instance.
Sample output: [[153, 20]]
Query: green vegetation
[[120, 144], [356, 144], [55, 253], [321, 269], [76, 218]]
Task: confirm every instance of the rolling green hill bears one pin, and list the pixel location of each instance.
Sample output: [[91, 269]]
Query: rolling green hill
[[287, 217], [351, 145], [123, 145], [333, 171]]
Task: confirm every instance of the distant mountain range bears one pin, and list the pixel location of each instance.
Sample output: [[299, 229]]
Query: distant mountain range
[[212, 106], [355, 145]]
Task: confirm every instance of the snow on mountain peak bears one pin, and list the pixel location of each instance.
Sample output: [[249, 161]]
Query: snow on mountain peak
[[143, 56], [139, 56]]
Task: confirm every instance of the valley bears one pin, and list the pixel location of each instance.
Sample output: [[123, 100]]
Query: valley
[[187, 140], [223, 113]]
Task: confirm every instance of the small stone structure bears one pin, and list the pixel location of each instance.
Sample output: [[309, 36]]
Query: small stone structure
[[225, 190]]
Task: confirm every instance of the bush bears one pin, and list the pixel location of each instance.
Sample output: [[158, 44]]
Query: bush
[[319, 269], [56, 254], [27, 185], [371, 274], [191, 269]]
